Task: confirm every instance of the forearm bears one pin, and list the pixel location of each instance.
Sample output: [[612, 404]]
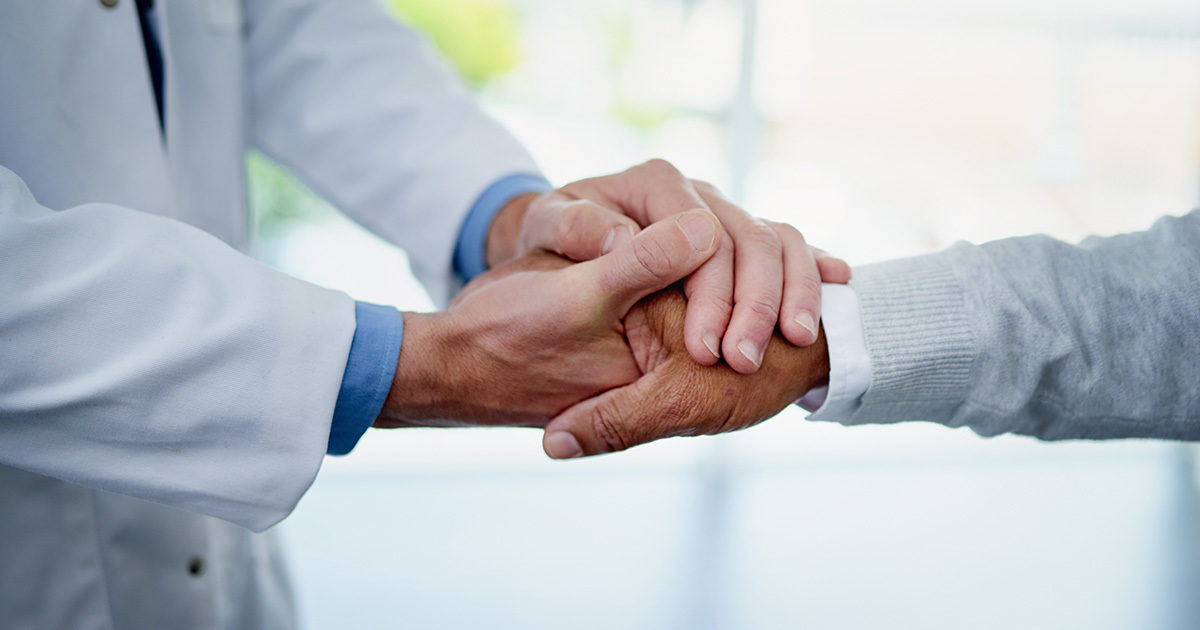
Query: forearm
[[1040, 337]]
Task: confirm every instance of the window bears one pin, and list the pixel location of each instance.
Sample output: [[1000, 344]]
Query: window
[[881, 129]]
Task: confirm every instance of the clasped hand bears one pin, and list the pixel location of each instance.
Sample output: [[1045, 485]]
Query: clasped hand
[[599, 352]]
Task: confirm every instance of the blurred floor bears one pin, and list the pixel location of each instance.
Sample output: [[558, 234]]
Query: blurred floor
[[981, 535]]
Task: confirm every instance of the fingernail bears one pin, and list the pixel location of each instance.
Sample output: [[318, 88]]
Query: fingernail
[[750, 351], [712, 343], [562, 445], [805, 320], [617, 237], [699, 228], [607, 246]]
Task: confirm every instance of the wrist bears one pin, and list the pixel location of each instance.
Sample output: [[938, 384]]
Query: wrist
[[423, 385], [503, 235], [818, 367], [789, 372]]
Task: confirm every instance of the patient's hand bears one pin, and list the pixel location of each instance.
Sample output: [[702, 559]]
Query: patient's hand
[[677, 397]]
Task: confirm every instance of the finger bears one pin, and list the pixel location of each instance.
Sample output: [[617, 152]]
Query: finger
[[576, 228], [801, 305], [613, 421], [710, 303], [757, 285], [648, 192], [660, 255], [832, 268]]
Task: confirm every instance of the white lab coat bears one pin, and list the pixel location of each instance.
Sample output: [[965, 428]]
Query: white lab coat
[[153, 377]]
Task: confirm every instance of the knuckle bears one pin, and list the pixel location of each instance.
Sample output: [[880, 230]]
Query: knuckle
[[571, 223], [759, 234], [608, 428], [675, 404], [719, 270], [570, 218], [660, 167], [705, 188], [653, 259], [717, 296], [575, 189], [726, 250], [680, 410], [720, 301], [810, 285], [807, 285], [788, 229], [762, 308]]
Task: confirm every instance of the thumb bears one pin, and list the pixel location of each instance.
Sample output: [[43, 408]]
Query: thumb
[[576, 228], [663, 253], [613, 421]]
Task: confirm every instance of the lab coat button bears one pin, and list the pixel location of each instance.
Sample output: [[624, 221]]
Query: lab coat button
[[108, 4], [196, 566]]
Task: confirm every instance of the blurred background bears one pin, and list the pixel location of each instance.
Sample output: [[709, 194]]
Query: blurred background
[[881, 128]]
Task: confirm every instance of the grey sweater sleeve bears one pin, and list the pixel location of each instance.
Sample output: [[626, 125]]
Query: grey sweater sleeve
[[1040, 337]]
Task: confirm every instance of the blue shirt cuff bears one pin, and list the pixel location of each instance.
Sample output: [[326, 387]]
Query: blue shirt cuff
[[469, 258], [370, 368]]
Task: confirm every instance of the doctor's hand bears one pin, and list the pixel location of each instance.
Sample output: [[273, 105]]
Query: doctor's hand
[[520, 345], [763, 273]]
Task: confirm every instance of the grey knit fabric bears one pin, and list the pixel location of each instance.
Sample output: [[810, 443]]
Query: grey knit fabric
[[1039, 337]]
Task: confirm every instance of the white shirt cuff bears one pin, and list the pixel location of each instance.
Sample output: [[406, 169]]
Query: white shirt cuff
[[849, 361]]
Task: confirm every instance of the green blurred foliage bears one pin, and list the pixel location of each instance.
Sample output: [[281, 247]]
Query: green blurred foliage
[[478, 37], [276, 198], [631, 109], [639, 116]]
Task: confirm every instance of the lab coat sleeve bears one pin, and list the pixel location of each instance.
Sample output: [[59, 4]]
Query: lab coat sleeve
[[368, 115], [145, 357]]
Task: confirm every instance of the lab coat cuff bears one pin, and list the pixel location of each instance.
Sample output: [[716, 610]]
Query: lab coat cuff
[[469, 260], [370, 368]]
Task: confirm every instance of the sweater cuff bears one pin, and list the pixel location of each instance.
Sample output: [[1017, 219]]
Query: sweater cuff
[[849, 363], [919, 339]]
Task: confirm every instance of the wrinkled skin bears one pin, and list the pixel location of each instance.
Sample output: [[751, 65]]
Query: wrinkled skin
[[523, 383], [672, 394], [523, 343], [677, 397]]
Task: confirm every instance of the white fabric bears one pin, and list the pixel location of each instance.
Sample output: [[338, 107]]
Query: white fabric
[[145, 357], [849, 361]]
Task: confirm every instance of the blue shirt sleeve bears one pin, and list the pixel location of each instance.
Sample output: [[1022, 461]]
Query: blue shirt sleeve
[[379, 330], [472, 236], [370, 368]]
